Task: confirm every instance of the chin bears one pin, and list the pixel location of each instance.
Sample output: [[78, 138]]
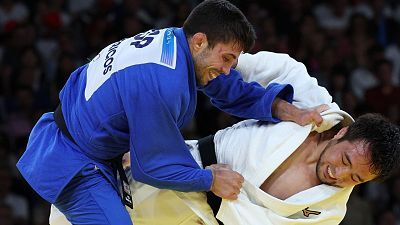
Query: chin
[[330, 183], [323, 180]]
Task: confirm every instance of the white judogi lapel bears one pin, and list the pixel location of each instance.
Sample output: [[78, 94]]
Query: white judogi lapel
[[267, 211]]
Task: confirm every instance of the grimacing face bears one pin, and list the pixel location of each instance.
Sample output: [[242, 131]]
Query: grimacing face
[[345, 163], [209, 63]]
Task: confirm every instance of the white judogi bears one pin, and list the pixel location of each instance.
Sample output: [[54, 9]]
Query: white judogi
[[255, 150]]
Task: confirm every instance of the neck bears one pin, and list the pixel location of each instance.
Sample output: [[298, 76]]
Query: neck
[[317, 143]]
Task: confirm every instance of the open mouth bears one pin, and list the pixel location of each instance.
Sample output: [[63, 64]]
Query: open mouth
[[212, 74], [329, 172]]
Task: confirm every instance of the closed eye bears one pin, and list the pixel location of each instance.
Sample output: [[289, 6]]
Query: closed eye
[[225, 59], [354, 179], [343, 161], [347, 159]]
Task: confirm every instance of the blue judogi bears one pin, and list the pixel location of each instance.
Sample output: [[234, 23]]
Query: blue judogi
[[135, 95]]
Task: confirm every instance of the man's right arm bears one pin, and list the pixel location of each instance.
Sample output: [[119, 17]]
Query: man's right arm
[[226, 183], [158, 154]]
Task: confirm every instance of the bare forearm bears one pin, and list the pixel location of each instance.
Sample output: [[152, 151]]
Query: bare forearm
[[288, 112], [284, 110]]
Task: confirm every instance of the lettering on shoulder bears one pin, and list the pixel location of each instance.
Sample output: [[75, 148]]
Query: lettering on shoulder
[[109, 57], [168, 48]]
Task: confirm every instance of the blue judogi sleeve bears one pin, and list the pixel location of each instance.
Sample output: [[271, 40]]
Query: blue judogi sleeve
[[159, 156], [154, 104], [246, 100]]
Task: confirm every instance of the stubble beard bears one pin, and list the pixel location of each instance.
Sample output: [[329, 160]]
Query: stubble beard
[[319, 171], [320, 175], [200, 67]]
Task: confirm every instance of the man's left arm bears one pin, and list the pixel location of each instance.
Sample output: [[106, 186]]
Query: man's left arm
[[251, 100], [233, 95]]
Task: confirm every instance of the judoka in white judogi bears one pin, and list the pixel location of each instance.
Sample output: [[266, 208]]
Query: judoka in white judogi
[[255, 150]]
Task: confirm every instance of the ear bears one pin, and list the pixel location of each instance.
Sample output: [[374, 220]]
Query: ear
[[341, 133], [198, 42]]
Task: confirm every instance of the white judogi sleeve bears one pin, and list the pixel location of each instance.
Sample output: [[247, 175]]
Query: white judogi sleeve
[[268, 67]]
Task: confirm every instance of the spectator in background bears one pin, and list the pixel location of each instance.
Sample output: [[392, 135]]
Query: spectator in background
[[382, 21], [12, 13], [355, 47], [384, 98], [333, 15], [131, 25], [18, 204], [392, 53], [6, 217], [7, 72], [5, 152], [20, 113], [183, 9], [324, 61], [76, 7], [362, 77], [387, 218], [357, 39], [395, 197], [302, 38], [30, 72], [339, 85], [289, 14]]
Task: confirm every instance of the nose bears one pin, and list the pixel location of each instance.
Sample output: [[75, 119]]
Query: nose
[[226, 70]]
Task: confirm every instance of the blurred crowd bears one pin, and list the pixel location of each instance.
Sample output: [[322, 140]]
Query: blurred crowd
[[351, 46]]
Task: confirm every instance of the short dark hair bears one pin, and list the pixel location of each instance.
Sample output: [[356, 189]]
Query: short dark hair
[[222, 22], [383, 140]]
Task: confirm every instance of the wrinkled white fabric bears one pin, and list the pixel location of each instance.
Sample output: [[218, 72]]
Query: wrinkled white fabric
[[255, 150]]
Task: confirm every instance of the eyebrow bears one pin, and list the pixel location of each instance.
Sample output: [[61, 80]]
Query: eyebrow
[[233, 56]]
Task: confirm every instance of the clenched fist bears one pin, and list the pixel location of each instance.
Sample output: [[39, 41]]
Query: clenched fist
[[226, 182]]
